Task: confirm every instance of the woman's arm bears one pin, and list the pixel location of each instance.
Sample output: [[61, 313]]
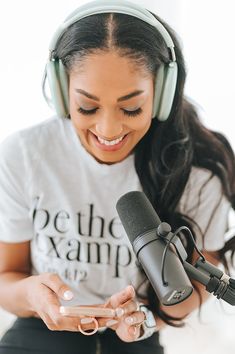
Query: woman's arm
[[28, 295], [14, 269]]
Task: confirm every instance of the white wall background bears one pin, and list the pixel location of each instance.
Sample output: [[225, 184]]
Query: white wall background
[[206, 30]]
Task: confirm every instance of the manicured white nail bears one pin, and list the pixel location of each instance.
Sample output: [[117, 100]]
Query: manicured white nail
[[86, 320], [120, 312], [111, 323], [62, 309], [131, 289], [68, 295], [129, 320]]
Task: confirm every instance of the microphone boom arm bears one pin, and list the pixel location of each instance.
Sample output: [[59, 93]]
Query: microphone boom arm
[[215, 280]]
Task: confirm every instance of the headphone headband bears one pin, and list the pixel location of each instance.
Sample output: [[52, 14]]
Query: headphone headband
[[117, 6], [55, 72]]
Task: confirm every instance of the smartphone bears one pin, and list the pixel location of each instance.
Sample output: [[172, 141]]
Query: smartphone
[[91, 311]]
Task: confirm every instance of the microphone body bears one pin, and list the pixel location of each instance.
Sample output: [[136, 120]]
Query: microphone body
[[141, 224]]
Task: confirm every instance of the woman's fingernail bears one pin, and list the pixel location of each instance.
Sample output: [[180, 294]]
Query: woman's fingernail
[[131, 289], [68, 295], [62, 310], [111, 323], [86, 320], [129, 320], [119, 312]]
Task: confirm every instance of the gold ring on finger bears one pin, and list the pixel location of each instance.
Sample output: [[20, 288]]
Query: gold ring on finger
[[90, 332]]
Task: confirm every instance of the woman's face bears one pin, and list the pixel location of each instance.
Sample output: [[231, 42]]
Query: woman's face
[[110, 105]]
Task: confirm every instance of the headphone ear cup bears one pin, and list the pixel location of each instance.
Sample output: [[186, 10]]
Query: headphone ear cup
[[168, 91], [52, 72], [64, 85], [159, 80]]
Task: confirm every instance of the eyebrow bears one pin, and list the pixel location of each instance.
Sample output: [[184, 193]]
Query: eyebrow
[[120, 99]]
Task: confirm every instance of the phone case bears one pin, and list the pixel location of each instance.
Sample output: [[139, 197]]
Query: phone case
[[87, 311]]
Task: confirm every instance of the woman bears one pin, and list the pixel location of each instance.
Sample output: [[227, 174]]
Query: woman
[[123, 125]]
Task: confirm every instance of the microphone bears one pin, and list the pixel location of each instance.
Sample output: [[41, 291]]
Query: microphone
[[168, 273], [149, 239]]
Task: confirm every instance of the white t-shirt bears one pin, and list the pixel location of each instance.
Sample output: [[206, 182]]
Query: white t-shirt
[[55, 194]]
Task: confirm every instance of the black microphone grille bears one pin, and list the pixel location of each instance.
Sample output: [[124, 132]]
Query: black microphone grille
[[137, 214]]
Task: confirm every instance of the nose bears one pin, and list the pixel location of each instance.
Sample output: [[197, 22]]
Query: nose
[[109, 126]]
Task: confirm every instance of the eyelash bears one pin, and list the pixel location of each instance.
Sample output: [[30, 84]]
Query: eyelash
[[128, 113]]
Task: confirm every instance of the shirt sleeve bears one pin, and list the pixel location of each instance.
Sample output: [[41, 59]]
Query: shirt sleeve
[[15, 221], [204, 202]]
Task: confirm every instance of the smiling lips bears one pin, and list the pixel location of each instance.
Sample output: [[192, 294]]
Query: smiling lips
[[110, 142], [109, 145]]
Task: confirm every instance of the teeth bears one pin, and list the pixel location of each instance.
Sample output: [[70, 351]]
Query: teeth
[[110, 142]]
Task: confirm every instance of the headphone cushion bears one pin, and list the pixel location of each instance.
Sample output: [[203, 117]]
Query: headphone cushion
[[159, 80], [168, 91], [64, 84], [55, 88]]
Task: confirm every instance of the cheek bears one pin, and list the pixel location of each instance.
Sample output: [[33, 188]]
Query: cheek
[[81, 123], [142, 125]]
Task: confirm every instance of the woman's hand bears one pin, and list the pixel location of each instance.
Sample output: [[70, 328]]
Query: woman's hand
[[43, 294], [127, 325]]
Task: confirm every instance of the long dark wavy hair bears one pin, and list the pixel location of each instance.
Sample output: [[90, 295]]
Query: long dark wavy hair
[[166, 154]]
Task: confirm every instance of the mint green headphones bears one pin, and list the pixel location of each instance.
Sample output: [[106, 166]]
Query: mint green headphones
[[165, 83]]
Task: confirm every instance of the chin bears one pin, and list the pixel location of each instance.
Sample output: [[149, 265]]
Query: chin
[[109, 159]]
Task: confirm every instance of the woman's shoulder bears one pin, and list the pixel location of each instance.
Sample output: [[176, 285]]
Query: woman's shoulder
[[31, 138], [203, 187], [201, 177]]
